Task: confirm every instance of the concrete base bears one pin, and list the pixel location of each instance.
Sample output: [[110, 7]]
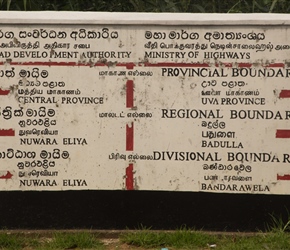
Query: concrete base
[[137, 209]]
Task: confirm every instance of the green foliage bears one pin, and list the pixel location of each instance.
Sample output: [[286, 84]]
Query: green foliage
[[182, 238], [15, 241], [10, 241], [147, 239], [83, 240], [195, 240], [191, 6], [270, 241], [278, 224]]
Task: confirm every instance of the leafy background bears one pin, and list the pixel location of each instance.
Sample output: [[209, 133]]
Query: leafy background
[[192, 6]]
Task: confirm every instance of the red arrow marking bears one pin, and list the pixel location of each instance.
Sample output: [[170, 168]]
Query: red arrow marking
[[284, 93], [8, 175], [130, 137], [285, 177], [4, 92], [283, 133], [130, 94], [129, 177], [7, 132]]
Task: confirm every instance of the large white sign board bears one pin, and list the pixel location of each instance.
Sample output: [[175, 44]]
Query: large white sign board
[[178, 102]]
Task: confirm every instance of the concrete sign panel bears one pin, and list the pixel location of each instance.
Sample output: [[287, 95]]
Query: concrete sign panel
[[111, 101]]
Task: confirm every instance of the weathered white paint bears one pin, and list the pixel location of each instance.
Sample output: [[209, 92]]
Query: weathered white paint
[[123, 18], [128, 111]]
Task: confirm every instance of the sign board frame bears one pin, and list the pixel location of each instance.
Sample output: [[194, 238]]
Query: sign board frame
[[143, 101]]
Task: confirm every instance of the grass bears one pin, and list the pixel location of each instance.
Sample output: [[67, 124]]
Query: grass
[[178, 239], [148, 239], [278, 224], [59, 240], [17, 241], [82, 240], [277, 237], [197, 240]]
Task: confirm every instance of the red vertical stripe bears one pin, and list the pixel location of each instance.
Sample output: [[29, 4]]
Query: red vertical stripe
[[283, 133], [130, 137], [130, 94], [129, 177], [7, 132], [284, 93]]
